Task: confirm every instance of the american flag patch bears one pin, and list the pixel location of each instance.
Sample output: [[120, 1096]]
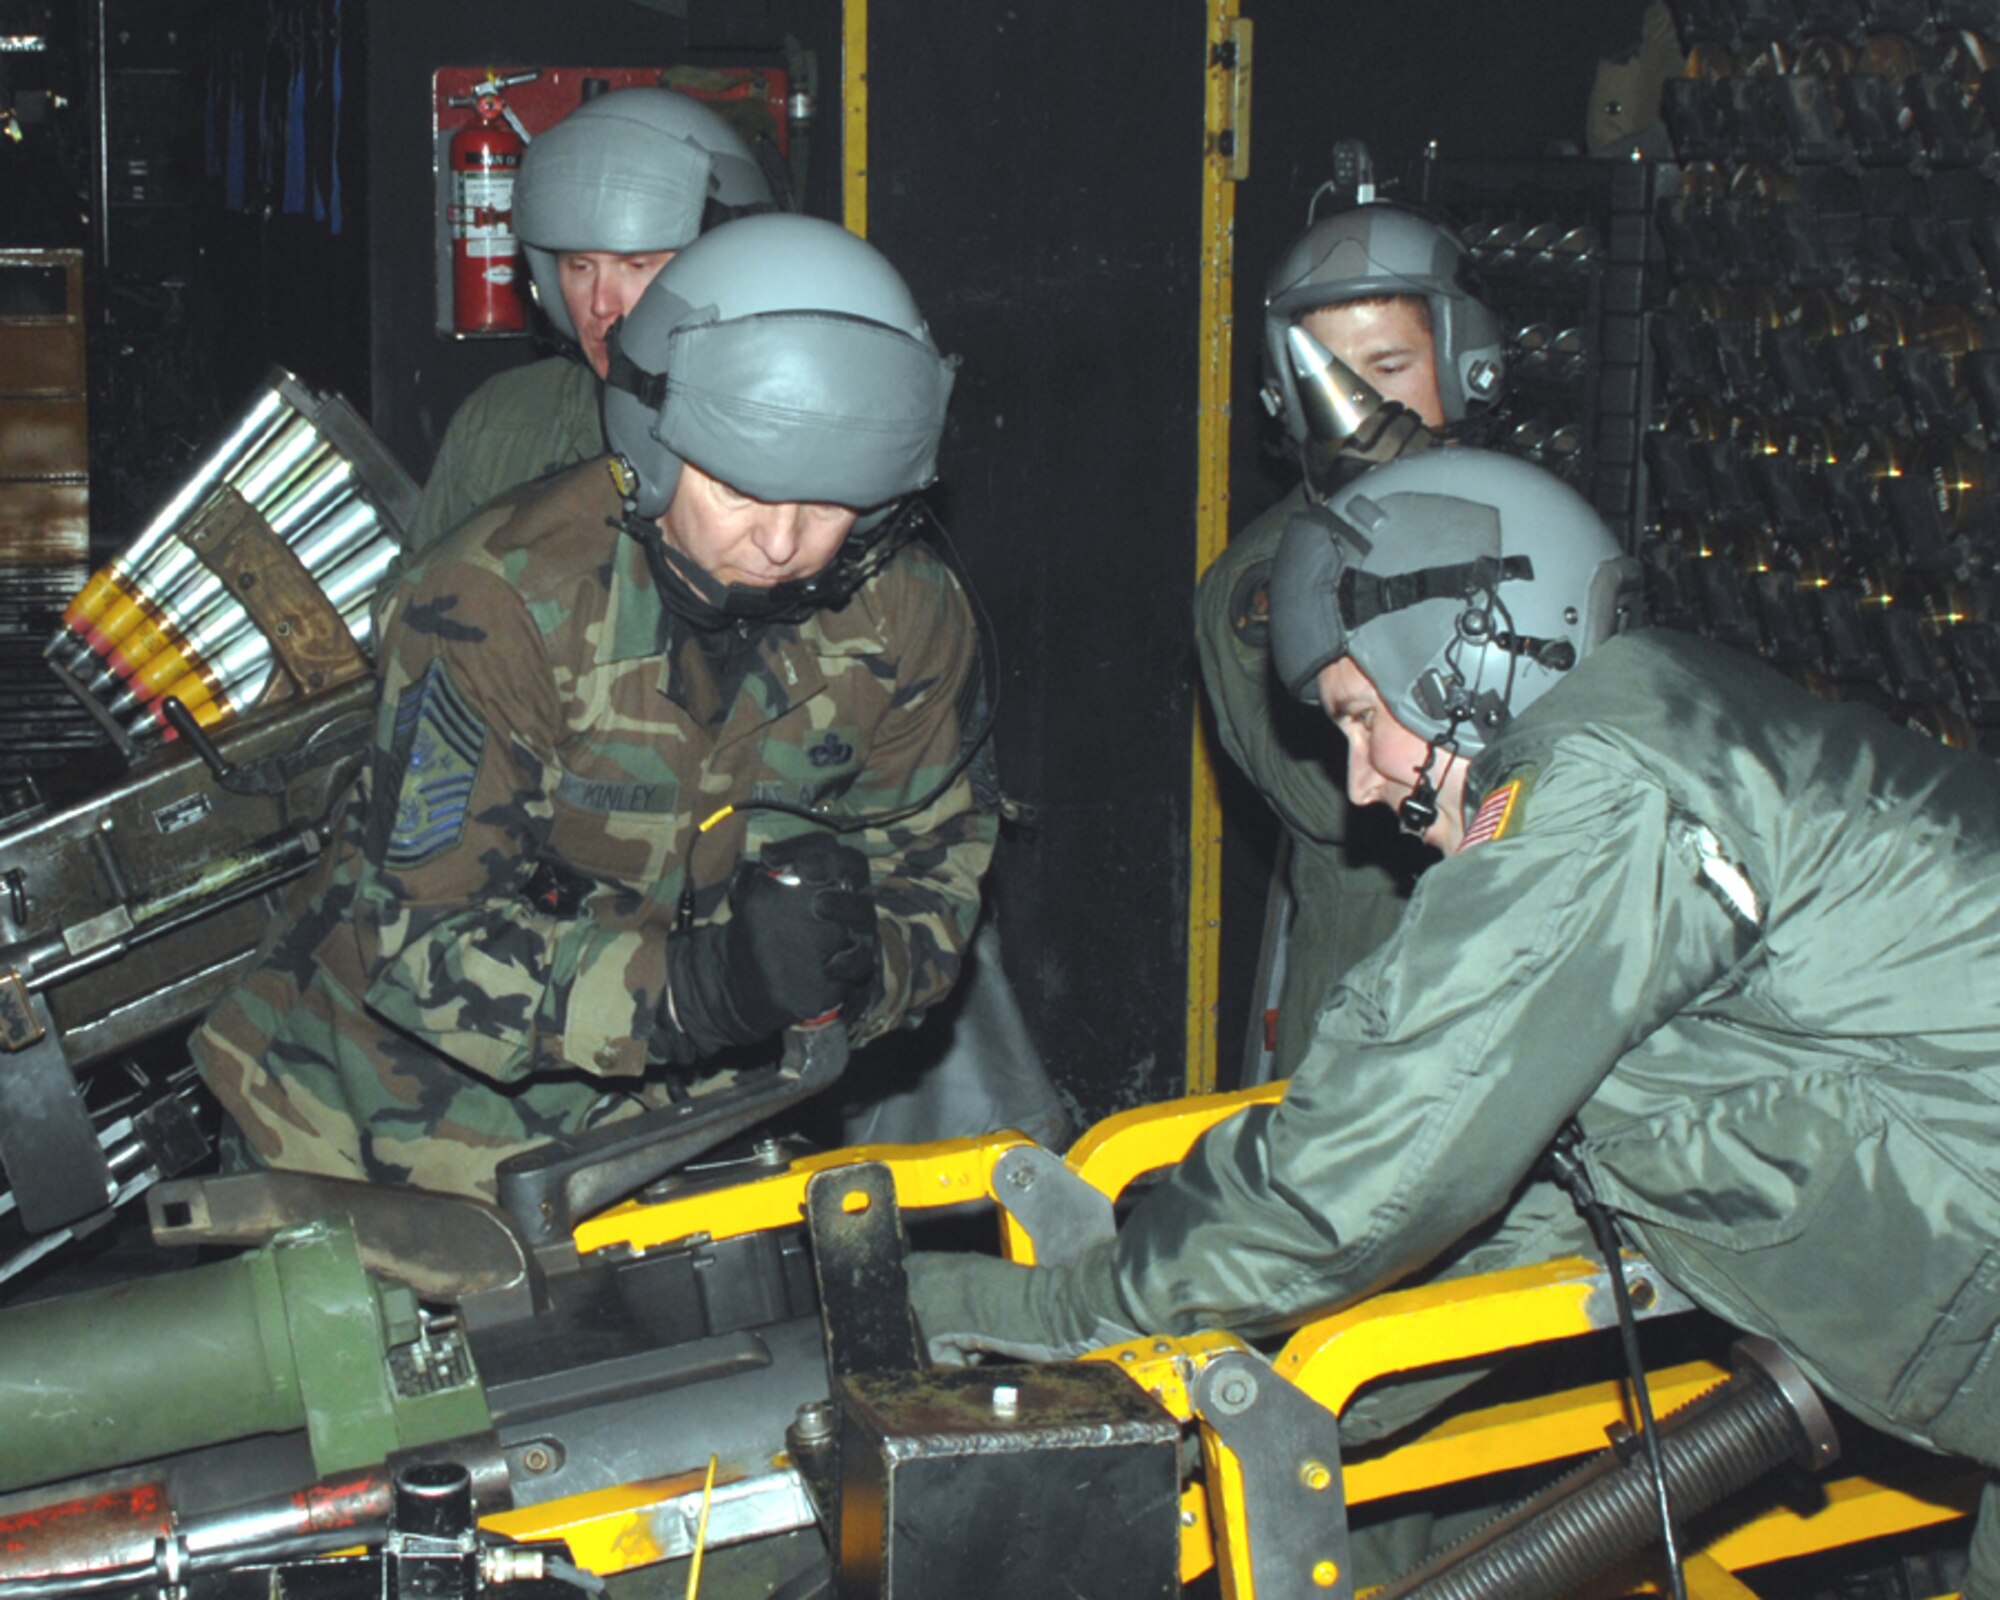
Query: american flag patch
[[1495, 812]]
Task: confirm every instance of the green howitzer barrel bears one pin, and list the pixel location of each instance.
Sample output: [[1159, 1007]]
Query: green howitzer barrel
[[295, 1334]]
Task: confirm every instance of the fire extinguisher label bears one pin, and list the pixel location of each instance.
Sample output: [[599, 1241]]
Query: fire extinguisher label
[[484, 203]]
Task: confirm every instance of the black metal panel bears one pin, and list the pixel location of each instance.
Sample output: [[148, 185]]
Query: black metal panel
[[1496, 82], [981, 1481], [1035, 171]]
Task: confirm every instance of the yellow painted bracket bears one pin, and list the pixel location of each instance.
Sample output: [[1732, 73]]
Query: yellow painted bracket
[[1167, 1369], [949, 1172], [1148, 1138], [946, 1173], [1521, 1433], [1856, 1509], [1449, 1321], [607, 1530]]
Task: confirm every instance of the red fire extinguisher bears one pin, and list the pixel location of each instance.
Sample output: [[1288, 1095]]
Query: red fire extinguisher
[[485, 155]]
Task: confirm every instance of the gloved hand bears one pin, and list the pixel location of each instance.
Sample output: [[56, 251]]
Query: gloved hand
[[967, 1304], [799, 943]]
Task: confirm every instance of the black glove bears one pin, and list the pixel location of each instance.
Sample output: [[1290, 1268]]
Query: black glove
[[799, 943]]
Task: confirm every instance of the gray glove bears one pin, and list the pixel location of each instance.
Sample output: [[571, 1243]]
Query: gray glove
[[968, 1305]]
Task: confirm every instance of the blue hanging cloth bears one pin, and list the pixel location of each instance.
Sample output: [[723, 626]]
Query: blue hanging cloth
[[235, 163], [335, 217], [295, 142]]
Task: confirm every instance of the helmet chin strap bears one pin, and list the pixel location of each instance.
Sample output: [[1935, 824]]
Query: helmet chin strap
[[694, 595], [1419, 809]]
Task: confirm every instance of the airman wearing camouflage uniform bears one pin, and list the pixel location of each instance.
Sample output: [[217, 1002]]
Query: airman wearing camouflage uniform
[[524, 926]]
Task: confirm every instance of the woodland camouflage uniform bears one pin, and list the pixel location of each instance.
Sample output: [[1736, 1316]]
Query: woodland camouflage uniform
[[481, 962]]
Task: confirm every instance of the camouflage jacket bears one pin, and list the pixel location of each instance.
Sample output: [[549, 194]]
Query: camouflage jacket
[[515, 427], [480, 964]]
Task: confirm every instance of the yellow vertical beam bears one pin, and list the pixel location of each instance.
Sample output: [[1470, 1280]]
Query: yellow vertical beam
[[1220, 166], [854, 116]]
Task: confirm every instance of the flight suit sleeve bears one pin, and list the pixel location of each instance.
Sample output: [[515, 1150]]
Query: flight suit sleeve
[[925, 869], [455, 488], [1527, 966], [1348, 899], [1290, 752], [459, 810]]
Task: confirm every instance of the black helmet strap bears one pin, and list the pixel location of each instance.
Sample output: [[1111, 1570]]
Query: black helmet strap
[[1364, 596]]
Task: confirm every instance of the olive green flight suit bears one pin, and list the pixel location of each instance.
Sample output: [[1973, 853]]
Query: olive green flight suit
[[1348, 884], [1750, 941], [523, 424]]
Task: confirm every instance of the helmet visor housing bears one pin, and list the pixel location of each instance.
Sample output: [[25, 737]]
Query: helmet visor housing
[[785, 357], [630, 172]]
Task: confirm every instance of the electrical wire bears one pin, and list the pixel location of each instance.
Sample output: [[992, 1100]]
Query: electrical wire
[[701, 1532], [969, 743], [1569, 1172]]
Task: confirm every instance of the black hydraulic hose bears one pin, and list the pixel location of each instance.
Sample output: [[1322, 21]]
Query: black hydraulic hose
[[1642, 1395], [1763, 1414], [1572, 1175]]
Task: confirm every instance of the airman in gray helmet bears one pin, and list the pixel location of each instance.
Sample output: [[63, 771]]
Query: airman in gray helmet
[[1379, 578], [603, 200], [672, 754], [1391, 293], [1382, 256], [1731, 943]]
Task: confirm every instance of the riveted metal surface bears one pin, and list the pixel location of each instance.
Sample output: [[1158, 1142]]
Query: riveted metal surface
[[864, 1292], [992, 1482], [1283, 1525]]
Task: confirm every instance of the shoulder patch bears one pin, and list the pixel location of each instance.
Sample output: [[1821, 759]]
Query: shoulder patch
[[1498, 812], [434, 759], [1250, 607]]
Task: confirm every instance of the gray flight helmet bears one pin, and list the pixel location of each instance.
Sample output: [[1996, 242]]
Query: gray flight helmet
[[1465, 583], [787, 358], [1367, 253], [629, 172]]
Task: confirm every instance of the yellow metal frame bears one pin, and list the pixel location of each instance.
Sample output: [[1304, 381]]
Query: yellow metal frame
[[854, 116], [1223, 110], [607, 1530], [949, 1172], [1133, 1143], [1329, 1361]]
